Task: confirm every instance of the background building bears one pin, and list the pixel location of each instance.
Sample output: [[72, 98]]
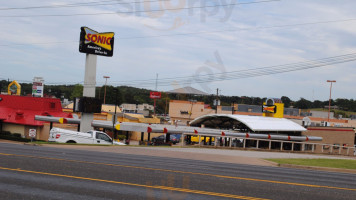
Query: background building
[[17, 114]]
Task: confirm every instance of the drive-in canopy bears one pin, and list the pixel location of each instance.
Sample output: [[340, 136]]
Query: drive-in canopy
[[245, 122]]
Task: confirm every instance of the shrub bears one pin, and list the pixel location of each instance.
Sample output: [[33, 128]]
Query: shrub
[[5, 133], [121, 137], [18, 135], [11, 137]]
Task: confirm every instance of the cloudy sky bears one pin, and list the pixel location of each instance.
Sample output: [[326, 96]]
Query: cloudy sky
[[238, 46]]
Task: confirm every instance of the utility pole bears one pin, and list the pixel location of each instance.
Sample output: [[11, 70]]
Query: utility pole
[[217, 100], [165, 109], [154, 100], [191, 108], [331, 85], [106, 80], [233, 108], [114, 118]]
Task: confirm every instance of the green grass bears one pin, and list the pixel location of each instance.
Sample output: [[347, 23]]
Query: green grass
[[332, 163]]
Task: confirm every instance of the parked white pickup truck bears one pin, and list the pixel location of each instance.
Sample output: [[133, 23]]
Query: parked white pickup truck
[[91, 137]]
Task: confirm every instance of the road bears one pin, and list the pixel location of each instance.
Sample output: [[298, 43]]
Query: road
[[43, 172]]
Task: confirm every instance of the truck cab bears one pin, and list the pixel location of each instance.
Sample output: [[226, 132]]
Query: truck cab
[[100, 137]]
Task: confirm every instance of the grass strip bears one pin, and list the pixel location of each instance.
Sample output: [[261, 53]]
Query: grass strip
[[332, 163]]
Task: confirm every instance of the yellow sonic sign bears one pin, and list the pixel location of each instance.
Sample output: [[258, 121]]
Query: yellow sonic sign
[[269, 109], [273, 107], [14, 88], [93, 42]]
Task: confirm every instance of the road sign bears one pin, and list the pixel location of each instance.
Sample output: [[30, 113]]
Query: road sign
[[32, 133], [96, 43], [155, 95]]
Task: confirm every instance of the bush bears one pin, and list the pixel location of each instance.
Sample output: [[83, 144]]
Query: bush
[[5, 133], [11, 137], [18, 135], [121, 137]]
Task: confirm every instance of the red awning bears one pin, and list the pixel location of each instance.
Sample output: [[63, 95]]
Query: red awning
[[22, 110]]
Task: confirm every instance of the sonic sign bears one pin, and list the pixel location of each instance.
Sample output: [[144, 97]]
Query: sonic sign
[[155, 95], [93, 42]]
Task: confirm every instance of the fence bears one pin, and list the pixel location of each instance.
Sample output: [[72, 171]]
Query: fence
[[272, 145]]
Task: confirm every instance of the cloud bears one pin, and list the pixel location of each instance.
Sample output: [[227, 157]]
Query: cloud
[[150, 51]]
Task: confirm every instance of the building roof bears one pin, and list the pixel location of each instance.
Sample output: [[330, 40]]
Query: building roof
[[187, 90], [22, 109], [104, 107], [254, 123]]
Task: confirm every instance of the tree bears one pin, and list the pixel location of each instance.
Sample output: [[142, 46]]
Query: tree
[[303, 104], [318, 104], [286, 101], [77, 91], [344, 104]]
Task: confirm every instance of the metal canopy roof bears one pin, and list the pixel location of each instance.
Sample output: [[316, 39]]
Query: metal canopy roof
[[254, 123], [164, 128], [187, 90]]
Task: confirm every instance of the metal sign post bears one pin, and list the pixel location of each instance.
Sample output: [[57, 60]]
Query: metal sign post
[[88, 90]]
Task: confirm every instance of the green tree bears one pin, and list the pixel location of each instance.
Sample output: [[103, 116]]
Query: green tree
[[77, 91], [318, 104], [303, 104], [286, 101]]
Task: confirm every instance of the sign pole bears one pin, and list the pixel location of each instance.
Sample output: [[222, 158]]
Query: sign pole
[[88, 90], [154, 107]]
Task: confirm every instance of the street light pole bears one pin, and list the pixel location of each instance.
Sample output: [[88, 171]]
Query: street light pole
[[331, 85], [191, 108], [106, 80], [114, 117]]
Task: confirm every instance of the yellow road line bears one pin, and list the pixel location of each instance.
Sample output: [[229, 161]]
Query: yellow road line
[[140, 185], [184, 172]]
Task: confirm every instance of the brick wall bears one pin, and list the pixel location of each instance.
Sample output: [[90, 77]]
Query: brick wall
[[333, 135]]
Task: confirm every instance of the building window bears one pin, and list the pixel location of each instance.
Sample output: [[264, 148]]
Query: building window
[[52, 105]]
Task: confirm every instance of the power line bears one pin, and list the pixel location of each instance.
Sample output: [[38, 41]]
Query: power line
[[241, 74], [244, 29], [129, 12], [37, 43], [95, 3], [195, 33], [262, 71]]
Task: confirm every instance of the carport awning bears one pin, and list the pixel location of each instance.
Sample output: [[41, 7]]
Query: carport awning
[[255, 123]]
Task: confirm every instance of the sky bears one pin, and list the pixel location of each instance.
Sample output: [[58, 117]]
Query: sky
[[238, 46]]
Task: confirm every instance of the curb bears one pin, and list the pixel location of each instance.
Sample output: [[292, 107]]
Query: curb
[[31, 144], [351, 171], [271, 163]]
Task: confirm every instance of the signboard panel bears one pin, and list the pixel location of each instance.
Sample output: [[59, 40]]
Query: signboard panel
[[269, 109], [87, 105], [96, 43], [14, 88], [155, 95], [32, 133], [37, 87]]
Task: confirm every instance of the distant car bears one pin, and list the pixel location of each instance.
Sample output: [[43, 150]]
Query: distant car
[[162, 139]]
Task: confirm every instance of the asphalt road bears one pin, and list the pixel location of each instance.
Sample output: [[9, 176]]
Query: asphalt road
[[41, 172]]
